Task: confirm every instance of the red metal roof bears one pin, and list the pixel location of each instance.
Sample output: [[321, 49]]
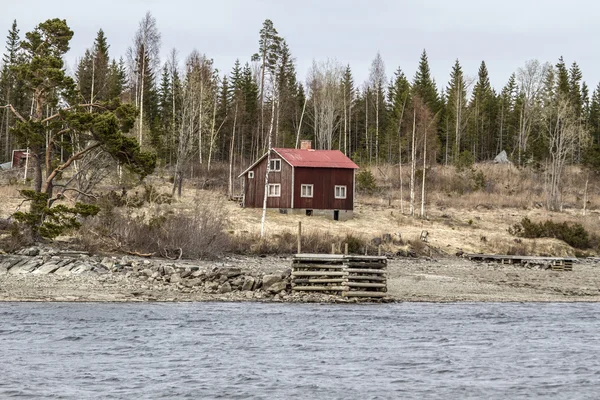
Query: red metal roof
[[316, 158]]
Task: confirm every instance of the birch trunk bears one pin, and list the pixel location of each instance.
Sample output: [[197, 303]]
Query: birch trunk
[[423, 183], [264, 211], [231, 150], [412, 167]]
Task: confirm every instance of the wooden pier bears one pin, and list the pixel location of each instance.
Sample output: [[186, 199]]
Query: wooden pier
[[555, 263], [342, 275]]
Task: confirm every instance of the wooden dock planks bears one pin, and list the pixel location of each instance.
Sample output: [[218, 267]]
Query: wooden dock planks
[[555, 263], [342, 275]]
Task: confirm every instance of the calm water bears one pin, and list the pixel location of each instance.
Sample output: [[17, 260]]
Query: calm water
[[283, 351]]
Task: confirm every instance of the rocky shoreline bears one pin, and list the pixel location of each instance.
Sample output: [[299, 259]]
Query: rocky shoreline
[[77, 276], [48, 274]]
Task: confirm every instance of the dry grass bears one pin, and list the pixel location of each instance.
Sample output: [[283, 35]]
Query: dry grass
[[459, 217]]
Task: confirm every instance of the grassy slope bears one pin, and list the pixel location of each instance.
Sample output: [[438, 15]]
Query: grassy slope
[[458, 218]]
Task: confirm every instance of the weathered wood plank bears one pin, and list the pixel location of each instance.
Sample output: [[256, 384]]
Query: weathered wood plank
[[321, 288], [367, 271], [321, 266], [367, 285], [366, 278], [318, 281], [363, 294], [366, 264], [318, 273]]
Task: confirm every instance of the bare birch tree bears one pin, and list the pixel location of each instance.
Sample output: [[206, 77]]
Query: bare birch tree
[[376, 82], [530, 79], [562, 131], [143, 58], [325, 92]]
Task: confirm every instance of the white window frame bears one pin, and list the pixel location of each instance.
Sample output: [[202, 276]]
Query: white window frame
[[276, 163], [250, 174], [274, 190], [304, 193], [339, 187]]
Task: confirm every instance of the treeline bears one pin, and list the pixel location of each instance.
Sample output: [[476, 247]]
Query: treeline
[[190, 113]]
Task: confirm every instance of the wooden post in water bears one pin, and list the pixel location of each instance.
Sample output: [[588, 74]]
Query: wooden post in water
[[299, 237]]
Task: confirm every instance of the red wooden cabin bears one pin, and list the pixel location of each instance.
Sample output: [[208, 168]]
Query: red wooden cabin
[[307, 181]]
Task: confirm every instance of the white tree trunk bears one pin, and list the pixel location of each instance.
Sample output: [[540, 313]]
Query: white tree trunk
[[412, 166], [300, 124], [264, 211], [231, 149], [424, 167]]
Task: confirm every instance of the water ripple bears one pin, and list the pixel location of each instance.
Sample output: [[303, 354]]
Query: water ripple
[[281, 351]]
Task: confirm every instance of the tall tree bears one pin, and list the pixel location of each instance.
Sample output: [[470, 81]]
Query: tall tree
[[269, 43], [483, 112], [456, 110], [376, 82], [10, 89], [530, 79], [326, 97], [93, 71], [424, 86], [348, 93], [100, 126], [144, 61]]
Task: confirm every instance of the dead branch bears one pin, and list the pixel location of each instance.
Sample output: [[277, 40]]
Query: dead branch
[[11, 108], [74, 157]]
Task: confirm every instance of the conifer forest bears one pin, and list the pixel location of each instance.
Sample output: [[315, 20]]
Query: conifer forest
[[141, 112]]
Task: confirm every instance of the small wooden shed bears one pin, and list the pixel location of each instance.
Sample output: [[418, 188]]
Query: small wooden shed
[[302, 181]]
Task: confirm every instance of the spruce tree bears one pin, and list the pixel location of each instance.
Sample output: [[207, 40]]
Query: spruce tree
[[399, 100], [456, 106], [424, 85], [10, 90], [348, 98]]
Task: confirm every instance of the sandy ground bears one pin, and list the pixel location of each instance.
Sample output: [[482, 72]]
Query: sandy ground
[[441, 280]]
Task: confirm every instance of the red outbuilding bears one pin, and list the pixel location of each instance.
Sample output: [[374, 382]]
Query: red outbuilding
[[307, 181]]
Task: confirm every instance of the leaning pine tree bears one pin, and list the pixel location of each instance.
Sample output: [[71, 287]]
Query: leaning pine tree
[[59, 131]]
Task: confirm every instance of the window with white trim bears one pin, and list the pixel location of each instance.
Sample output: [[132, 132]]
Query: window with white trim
[[274, 190], [275, 165], [251, 174], [340, 192], [306, 191]]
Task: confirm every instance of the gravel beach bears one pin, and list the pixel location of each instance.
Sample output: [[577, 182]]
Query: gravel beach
[[50, 275]]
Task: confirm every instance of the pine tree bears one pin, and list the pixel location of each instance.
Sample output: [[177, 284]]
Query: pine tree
[[268, 54], [100, 128]]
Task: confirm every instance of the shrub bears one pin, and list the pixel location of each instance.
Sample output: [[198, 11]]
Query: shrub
[[573, 234], [465, 160], [365, 181], [286, 242], [199, 234]]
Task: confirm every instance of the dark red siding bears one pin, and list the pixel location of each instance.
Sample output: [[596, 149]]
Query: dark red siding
[[324, 181], [254, 189]]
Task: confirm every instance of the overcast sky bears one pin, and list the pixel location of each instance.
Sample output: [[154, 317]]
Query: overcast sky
[[504, 33]]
